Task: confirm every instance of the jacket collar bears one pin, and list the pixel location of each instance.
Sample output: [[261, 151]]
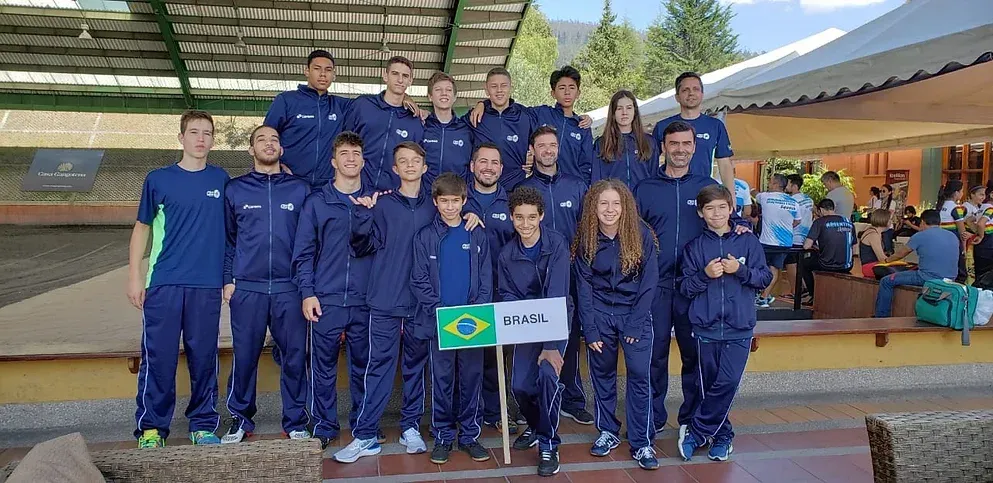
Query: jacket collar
[[310, 91], [501, 194], [381, 102], [433, 121], [713, 235], [255, 175], [422, 196], [331, 193], [546, 246], [546, 179], [439, 225], [558, 108], [513, 108]]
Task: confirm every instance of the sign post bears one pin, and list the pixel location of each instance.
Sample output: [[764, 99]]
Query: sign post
[[499, 324]]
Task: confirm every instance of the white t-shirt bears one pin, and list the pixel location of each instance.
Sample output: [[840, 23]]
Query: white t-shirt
[[875, 203], [951, 212], [742, 195], [806, 206], [778, 212]]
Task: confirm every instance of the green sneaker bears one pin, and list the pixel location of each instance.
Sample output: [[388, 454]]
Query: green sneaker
[[204, 438], [150, 439]]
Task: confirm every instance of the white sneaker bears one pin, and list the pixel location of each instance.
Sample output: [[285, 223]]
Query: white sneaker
[[411, 438], [357, 449], [233, 436], [302, 434]]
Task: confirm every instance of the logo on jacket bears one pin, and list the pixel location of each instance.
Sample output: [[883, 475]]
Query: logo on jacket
[[566, 204], [305, 116], [213, 193], [286, 206], [428, 141], [251, 207], [691, 202], [578, 136], [499, 216], [332, 117], [465, 246], [741, 260], [458, 142], [513, 138], [402, 133], [703, 135]]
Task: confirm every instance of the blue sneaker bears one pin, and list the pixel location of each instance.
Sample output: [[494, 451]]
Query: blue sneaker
[[646, 458], [687, 443], [720, 449], [204, 438], [603, 444], [357, 449]]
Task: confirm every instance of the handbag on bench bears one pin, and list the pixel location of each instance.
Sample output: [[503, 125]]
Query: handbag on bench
[[947, 304]]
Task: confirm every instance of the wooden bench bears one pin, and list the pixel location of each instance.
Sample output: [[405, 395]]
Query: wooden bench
[[881, 328], [843, 296]]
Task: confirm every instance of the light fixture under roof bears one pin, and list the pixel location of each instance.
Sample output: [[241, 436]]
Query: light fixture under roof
[[85, 34], [240, 43], [385, 48]]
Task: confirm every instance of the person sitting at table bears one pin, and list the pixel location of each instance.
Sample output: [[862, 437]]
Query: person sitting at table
[[871, 249], [911, 223]]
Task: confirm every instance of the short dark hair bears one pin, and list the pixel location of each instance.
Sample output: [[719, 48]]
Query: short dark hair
[[796, 179], [678, 126], [441, 77], [931, 217], [408, 145], [910, 209], [193, 115], [779, 179], [251, 137], [486, 145], [566, 71], [497, 71], [830, 176], [826, 204], [526, 195], [399, 59], [541, 131], [347, 138], [714, 192], [320, 54], [448, 184], [688, 75]]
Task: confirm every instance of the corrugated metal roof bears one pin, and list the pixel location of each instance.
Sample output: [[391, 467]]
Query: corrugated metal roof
[[42, 78], [275, 34], [314, 16], [508, 25], [300, 52], [496, 59], [77, 43], [507, 7], [501, 43]]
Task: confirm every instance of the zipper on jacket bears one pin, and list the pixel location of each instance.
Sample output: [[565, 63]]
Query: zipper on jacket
[[382, 157], [269, 190], [627, 161], [441, 158], [551, 196], [348, 256], [317, 143], [675, 246], [721, 244]]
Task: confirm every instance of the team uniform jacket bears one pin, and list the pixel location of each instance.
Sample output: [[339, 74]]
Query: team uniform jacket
[[575, 143], [629, 168], [563, 195], [307, 123], [381, 126], [447, 147], [511, 131]]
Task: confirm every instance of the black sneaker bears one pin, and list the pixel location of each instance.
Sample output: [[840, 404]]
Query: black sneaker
[[325, 442], [380, 436], [548, 462], [580, 416], [511, 426], [235, 432], [439, 455], [476, 451], [526, 440]]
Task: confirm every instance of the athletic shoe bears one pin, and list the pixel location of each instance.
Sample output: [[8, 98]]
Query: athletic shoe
[[235, 434], [476, 451], [204, 438], [526, 440], [511, 426], [646, 458], [519, 419], [412, 440], [150, 439], [548, 462], [769, 300], [302, 434], [687, 443], [380, 436], [659, 428], [603, 444], [580, 416], [720, 449], [357, 449], [439, 455], [325, 441]]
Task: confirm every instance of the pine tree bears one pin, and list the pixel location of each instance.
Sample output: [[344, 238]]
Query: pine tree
[[609, 61], [533, 59]]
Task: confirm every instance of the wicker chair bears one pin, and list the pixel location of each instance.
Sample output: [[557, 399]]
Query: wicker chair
[[259, 461], [931, 447]]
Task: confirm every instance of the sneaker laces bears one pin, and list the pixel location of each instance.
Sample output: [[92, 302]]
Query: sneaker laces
[[546, 455], [645, 452], [605, 439], [356, 444]]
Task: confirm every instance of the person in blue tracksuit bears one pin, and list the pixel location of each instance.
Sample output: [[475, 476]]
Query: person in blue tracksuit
[[332, 277], [261, 213], [722, 271], [666, 204], [616, 269], [447, 138], [535, 265], [563, 195], [383, 121], [182, 210], [624, 151], [505, 124], [575, 138], [451, 268]]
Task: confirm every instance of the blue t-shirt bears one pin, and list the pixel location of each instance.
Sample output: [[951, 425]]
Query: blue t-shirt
[[938, 253], [186, 212], [453, 263], [712, 141], [533, 252], [778, 212], [485, 199]]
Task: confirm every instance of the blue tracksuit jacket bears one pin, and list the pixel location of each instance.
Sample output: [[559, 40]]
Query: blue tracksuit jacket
[[575, 143], [326, 258], [425, 278], [447, 147], [307, 124], [511, 130], [563, 195], [604, 288], [381, 127], [629, 168], [260, 216], [521, 279], [496, 216], [723, 308]]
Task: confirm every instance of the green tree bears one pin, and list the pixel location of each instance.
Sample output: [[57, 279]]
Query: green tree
[[533, 59], [690, 35], [610, 60], [232, 133]]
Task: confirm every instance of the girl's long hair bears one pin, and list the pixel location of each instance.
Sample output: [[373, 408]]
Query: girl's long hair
[[889, 197], [945, 192], [629, 233], [612, 141]]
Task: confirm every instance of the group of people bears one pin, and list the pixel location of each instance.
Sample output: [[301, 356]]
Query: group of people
[[361, 217]]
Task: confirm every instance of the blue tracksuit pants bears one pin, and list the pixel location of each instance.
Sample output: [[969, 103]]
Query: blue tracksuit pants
[[538, 392], [603, 372], [414, 356], [456, 371], [721, 365], [325, 346], [170, 312], [251, 314], [670, 313]]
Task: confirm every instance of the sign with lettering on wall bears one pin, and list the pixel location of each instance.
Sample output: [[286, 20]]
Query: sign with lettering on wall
[[62, 170]]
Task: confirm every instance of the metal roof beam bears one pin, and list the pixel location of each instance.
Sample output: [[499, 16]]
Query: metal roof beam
[[72, 51], [315, 6], [70, 69], [474, 17], [168, 36], [317, 44], [489, 3], [454, 35], [76, 14], [470, 35], [306, 25], [97, 34]]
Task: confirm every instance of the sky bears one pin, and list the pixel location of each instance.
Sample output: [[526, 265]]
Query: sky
[[762, 25]]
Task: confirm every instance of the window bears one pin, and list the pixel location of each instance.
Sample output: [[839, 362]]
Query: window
[[876, 164], [969, 163]]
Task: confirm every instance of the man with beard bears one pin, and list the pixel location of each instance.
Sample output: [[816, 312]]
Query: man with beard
[[563, 195], [261, 213], [506, 125]]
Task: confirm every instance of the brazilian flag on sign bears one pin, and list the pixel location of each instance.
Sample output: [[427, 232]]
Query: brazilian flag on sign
[[466, 326]]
